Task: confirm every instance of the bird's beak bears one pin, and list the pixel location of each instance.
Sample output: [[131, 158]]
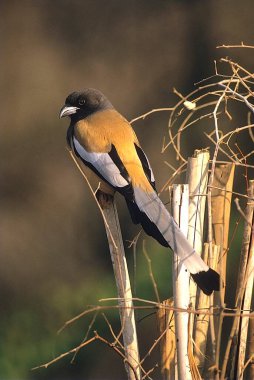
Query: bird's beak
[[67, 111]]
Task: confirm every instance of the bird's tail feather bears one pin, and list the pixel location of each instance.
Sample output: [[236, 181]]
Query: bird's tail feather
[[157, 222], [150, 228], [207, 281]]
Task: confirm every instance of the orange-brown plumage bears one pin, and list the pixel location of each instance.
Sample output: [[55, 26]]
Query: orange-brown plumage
[[99, 131]]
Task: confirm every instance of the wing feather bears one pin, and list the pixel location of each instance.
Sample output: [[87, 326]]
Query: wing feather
[[146, 165], [103, 164]]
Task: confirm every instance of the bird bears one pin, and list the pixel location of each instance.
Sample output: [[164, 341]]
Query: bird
[[107, 145]]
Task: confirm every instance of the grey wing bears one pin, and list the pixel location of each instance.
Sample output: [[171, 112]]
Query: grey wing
[[102, 164]]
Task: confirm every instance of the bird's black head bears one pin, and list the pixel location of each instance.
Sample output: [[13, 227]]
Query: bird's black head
[[79, 105]]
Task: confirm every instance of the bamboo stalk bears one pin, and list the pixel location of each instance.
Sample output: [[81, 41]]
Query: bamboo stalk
[[234, 334], [221, 196], [109, 214], [221, 207], [247, 299], [246, 310], [202, 321], [181, 281], [197, 178], [241, 279], [118, 258], [167, 344], [250, 351], [215, 335]]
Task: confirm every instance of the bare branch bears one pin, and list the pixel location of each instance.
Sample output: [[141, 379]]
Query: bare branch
[[242, 45]]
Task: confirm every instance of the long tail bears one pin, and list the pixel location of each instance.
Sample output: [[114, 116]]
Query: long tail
[[157, 222]]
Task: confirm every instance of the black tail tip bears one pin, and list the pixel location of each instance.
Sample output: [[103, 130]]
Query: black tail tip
[[207, 281]]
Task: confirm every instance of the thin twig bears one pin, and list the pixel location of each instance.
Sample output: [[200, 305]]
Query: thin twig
[[243, 98], [86, 336], [149, 113], [149, 262], [46, 365], [242, 45], [112, 345]]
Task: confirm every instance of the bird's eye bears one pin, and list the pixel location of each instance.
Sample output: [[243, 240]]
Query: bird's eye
[[81, 102]]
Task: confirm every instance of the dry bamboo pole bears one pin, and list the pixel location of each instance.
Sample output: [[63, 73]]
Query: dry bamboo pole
[[181, 280], [234, 334], [132, 363], [202, 321], [246, 309], [215, 338], [250, 351], [197, 178], [108, 211], [247, 298], [221, 196], [167, 343], [221, 205]]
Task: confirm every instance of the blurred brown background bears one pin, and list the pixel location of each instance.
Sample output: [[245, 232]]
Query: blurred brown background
[[54, 256]]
